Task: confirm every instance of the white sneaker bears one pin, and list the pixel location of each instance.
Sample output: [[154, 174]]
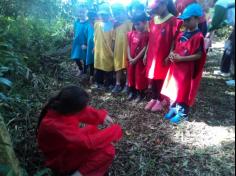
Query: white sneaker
[[219, 73], [225, 74]]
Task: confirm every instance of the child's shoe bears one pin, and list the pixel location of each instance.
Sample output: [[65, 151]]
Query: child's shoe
[[157, 106], [117, 89], [139, 98], [125, 90], [150, 104], [231, 83], [109, 88], [177, 119], [99, 87], [172, 112], [131, 96]]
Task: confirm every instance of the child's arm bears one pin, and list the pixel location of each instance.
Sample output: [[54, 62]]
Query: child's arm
[[145, 56], [178, 58], [92, 116], [141, 54], [170, 54], [129, 55]]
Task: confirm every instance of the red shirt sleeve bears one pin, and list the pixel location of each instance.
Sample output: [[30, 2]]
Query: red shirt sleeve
[[92, 116], [104, 137], [85, 141]]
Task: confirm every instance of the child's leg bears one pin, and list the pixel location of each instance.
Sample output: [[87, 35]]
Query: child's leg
[[108, 79], [118, 87], [79, 64], [141, 82], [156, 89], [98, 163], [91, 73], [156, 96], [132, 93], [99, 77], [126, 88]]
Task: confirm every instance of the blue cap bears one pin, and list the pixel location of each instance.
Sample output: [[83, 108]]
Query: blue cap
[[193, 10]]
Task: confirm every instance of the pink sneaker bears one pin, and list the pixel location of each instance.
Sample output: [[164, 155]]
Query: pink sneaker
[[157, 106], [150, 104]]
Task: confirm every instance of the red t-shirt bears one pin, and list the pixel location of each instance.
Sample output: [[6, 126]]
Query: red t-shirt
[[183, 78], [161, 38]]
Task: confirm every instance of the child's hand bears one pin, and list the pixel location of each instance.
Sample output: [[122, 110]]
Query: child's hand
[[108, 120], [130, 58], [166, 61], [133, 61], [176, 58], [83, 47]]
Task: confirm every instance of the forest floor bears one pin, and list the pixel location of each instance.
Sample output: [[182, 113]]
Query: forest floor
[[151, 146]]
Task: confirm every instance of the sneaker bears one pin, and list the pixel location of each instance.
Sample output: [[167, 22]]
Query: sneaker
[[231, 83], [99, 87], [150, 104], [157, 106], [117, 89], [125, 90], [91, 80], [109, 88], [131, 96], [139, 98], [225, 75], [172, 112], [177, 119], [220, 73]]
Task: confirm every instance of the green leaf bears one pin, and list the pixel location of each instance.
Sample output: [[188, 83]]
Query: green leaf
[[5, 82]]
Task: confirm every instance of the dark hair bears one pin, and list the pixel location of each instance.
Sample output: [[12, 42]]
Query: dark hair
[[69, 100], [172, 8], [140, 18]]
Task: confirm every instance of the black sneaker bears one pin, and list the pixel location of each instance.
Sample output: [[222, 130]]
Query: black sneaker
[[139, 98], [117, 89], [125, 90], [131, 96]]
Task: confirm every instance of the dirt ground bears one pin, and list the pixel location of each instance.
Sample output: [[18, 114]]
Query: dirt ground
[[202, 146]]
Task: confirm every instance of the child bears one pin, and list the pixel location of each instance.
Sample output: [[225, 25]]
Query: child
[[185, 73], [182, 4], [164, 28], [122, 27], [104, 47], [69, 137], [79, 47], [137, 45], [90, 48]]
